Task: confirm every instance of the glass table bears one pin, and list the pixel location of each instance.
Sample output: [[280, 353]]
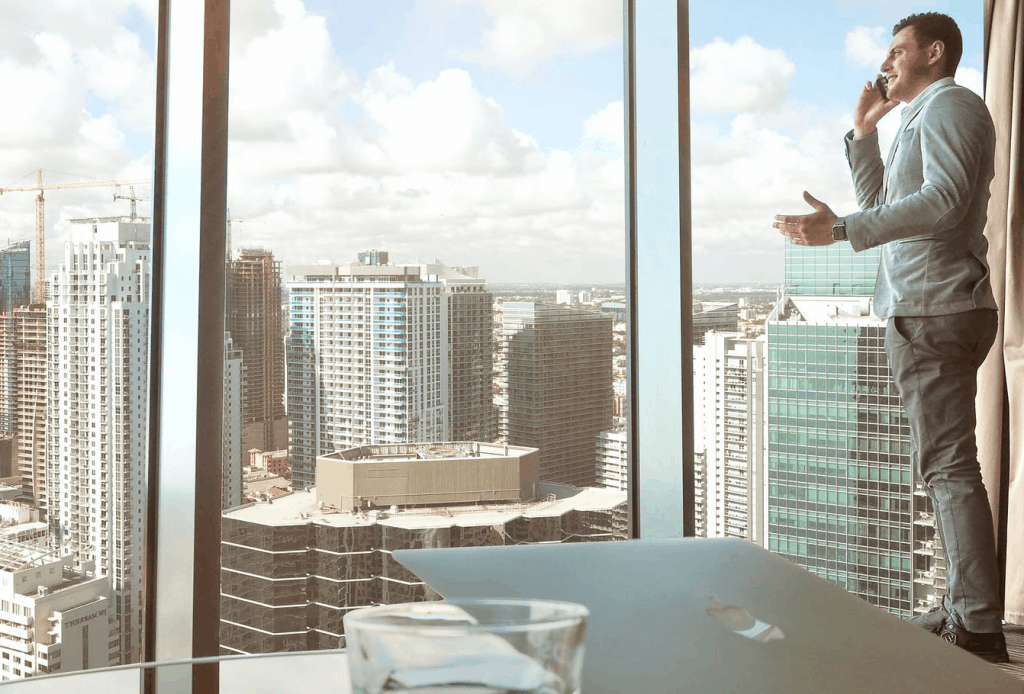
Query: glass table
[[281, 673]]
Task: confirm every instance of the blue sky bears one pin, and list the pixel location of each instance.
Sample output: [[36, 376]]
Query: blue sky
[[481, 132]]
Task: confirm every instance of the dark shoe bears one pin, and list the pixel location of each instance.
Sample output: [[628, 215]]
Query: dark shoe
[[991, 647], [932, 620]]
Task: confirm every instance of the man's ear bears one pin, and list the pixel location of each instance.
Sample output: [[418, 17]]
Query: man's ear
[[936, 52]]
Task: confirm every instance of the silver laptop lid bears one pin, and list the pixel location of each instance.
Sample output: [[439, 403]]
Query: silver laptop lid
[[697, 615]]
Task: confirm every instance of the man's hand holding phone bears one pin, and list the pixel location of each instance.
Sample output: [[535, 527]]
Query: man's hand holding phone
[[871, 107]]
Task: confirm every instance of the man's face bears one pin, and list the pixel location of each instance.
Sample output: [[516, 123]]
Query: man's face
[[907, 67]]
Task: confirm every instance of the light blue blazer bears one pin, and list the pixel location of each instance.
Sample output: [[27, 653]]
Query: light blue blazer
[[927, 204]]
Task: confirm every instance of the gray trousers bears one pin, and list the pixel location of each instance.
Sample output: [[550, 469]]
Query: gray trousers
[[934, 361]]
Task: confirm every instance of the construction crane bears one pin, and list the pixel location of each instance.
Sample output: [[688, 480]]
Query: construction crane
[[227, 240], [40, 288], [133, 197]]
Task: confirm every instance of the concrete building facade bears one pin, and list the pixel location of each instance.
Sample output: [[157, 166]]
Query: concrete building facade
[[470, 308], [97, 408], [555, 386], [231, 428], [729, 424], [612, 466], [367, 360], [53, 618]]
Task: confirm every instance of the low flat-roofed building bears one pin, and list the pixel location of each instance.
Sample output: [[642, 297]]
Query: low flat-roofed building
[[52, 617], [424, 474], [293, 566]]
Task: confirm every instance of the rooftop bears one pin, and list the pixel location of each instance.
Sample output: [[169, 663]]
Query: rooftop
[[301, 507], [15, 556]]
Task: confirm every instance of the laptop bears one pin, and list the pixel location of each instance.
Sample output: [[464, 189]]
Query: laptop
[[712, 615]]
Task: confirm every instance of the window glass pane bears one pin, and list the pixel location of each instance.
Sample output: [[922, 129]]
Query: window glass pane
[[425, 299], [76, 156], [769, 111]]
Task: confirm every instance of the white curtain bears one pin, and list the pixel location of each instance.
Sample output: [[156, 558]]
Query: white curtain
[[1001, 379]]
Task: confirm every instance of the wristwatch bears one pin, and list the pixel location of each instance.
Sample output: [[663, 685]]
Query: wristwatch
[[839, 230]]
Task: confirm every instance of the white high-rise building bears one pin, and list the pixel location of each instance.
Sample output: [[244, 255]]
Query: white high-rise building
[[97, 411], [367, 360], [612, 461], [231, 433], [729, 420]]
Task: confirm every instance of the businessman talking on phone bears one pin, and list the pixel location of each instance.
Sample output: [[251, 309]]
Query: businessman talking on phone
[[926, 205]]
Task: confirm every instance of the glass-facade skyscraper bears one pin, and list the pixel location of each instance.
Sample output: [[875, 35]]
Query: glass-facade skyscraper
[[842, 499], [834, 270], [15, 276]]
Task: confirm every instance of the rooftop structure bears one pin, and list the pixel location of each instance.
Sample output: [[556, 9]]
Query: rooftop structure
[[422, 474]]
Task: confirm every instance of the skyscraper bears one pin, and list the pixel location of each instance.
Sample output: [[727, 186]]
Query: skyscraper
[[28, 325], [556, 386], [253, 316], [97, 341], [729, 397], [15, 276], [231, 431], [367, 360], [841, 493], [470, 310]]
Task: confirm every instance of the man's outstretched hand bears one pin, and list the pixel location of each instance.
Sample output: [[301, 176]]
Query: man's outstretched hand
[[814, 229]]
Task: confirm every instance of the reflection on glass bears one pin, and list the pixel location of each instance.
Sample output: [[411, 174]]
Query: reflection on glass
[[446, 219], [75, 159]]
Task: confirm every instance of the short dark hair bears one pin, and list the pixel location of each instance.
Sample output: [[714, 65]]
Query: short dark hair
[[935, 26]]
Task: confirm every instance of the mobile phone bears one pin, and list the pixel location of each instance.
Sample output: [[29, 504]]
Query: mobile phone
[[882, 87]]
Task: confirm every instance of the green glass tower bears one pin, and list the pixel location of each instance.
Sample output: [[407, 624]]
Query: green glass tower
[[841, 498], [831, 270]]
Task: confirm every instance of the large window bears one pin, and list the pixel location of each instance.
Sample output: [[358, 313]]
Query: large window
[[425, 299]]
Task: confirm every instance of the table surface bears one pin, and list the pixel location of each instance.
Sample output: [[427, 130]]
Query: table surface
[[284, 673]]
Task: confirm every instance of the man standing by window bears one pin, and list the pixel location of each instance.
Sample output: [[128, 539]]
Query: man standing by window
[[927, 204]]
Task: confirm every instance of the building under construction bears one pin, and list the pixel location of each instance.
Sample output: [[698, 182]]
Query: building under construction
[[254, 318], [555, 386], [23, 397], [29, 332]]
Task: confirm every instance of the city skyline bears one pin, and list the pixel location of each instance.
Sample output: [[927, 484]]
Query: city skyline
[[493, 138]]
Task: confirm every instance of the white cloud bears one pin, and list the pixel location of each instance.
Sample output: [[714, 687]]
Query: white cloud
[[740, 76], [607, 125], [866, 47], [972, 79], [287, 66], [528, 33], [423, 168], [756, 168]]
